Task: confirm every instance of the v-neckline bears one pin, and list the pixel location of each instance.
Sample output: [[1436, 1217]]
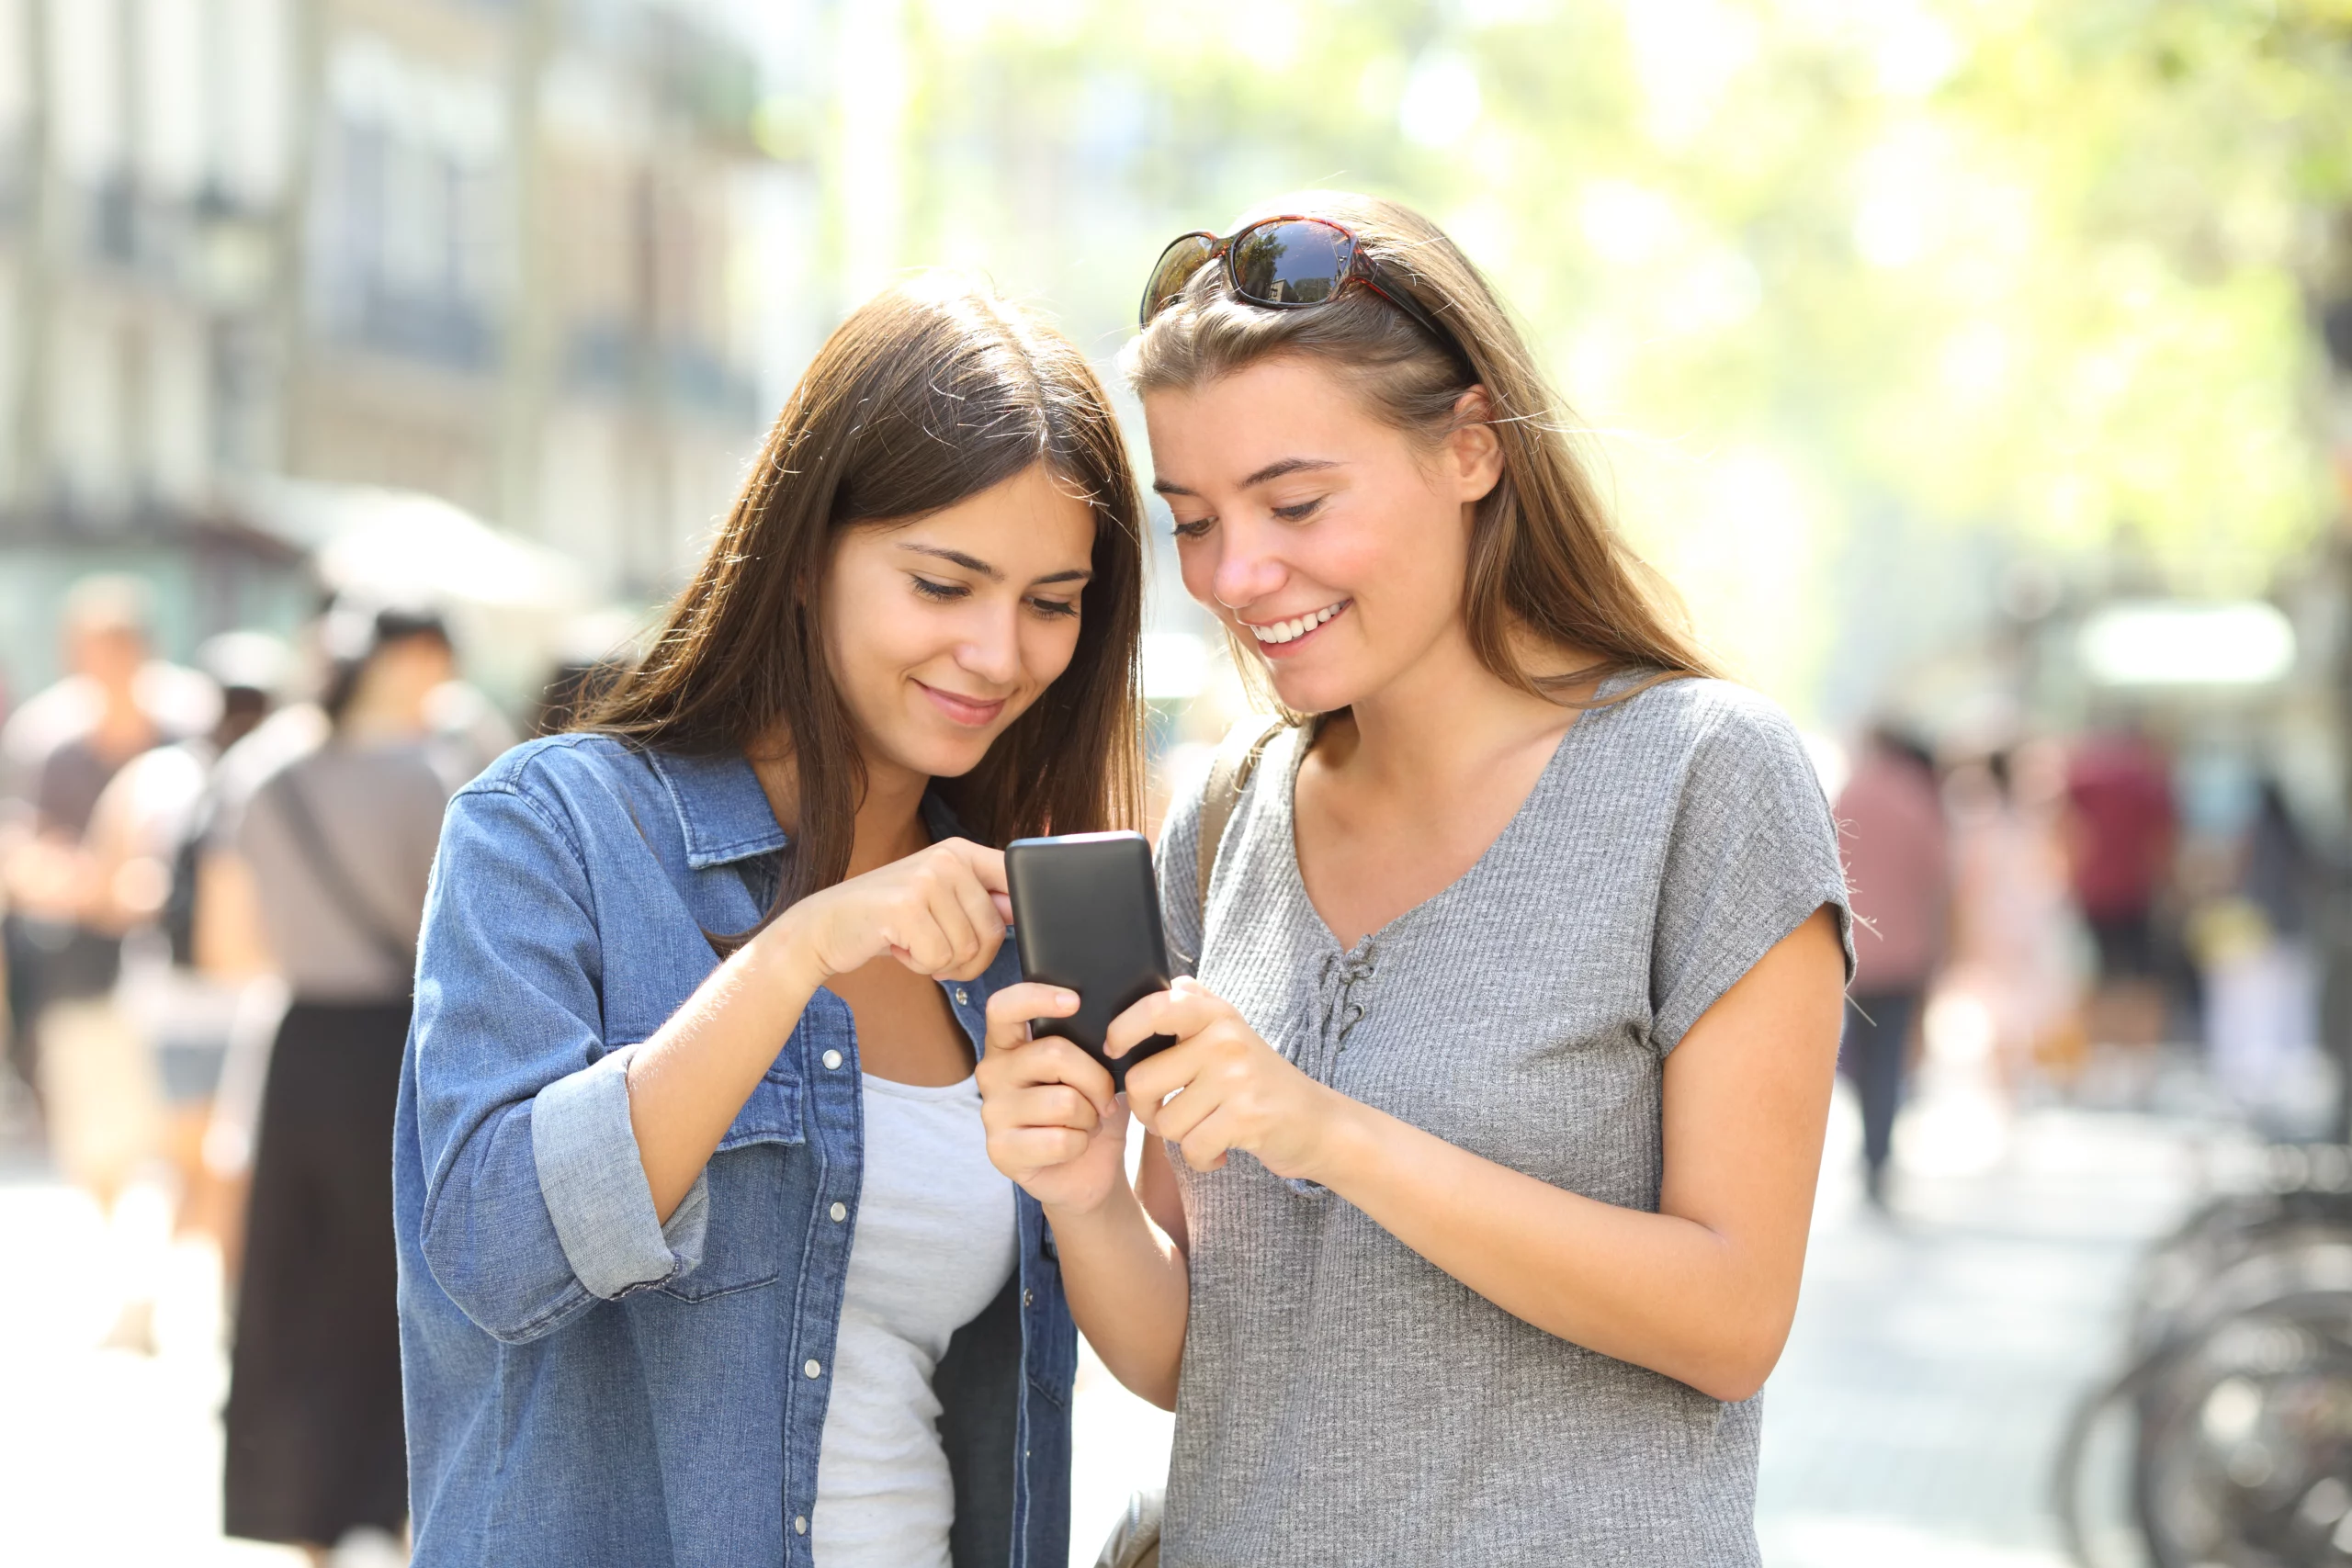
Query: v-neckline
[[1288, 798]]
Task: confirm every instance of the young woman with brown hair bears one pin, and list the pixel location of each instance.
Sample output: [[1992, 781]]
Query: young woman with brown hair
[[702, 1260], [1517, 982]]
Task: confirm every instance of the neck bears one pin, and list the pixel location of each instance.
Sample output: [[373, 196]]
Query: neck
[[888, 826], [122, 726], [1446, 718], [376, 715]]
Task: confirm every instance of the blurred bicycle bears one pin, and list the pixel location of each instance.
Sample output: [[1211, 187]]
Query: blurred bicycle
[[2238, 1381]]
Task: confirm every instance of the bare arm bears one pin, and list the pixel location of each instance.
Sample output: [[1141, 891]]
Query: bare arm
[[1128, 1285], [937, 911], [688, 1083], [1703, 1291], [1055, 1127], [231, 942]]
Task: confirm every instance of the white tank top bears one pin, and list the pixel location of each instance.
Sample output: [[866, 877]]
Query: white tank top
[[936, 1242]]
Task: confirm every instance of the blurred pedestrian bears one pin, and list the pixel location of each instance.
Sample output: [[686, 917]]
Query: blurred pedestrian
[[63, 932], [1891, 829], [2015, 947], [2261, 980], [146, 838], [326, 864], [2122, 824]]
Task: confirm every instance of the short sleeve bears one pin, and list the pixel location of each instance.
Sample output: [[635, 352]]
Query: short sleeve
[[1752, 854]]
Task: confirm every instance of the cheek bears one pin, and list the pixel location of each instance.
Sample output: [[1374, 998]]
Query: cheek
[[1375, 565], [871, 637], [1411, 555], [1047, 649], [1196, 563]]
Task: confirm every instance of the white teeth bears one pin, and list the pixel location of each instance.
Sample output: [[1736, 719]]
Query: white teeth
[[1286, 631]]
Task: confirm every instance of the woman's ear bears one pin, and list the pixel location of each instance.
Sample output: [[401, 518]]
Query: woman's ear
[[1473, 454]]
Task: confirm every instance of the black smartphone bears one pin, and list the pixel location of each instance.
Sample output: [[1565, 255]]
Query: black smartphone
[[1086, 916]]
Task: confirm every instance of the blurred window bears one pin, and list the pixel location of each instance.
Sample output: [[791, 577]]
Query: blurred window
[[412, 222]]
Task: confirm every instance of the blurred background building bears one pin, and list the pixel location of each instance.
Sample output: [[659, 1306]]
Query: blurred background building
[[265, 256]]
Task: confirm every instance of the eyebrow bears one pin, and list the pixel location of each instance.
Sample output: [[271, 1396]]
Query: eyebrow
[[974, 564], [1266, 475]]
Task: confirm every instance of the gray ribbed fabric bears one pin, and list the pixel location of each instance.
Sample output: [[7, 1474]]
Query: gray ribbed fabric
[[1343, 1401]]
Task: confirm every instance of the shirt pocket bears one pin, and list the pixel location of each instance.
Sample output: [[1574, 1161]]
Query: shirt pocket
[[743, 1245]]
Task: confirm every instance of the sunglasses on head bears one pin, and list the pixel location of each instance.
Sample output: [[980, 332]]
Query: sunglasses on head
[[1283, 264]]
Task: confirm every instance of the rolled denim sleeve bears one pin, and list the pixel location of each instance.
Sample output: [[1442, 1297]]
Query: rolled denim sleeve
[[525, 1227], [594, 1185]]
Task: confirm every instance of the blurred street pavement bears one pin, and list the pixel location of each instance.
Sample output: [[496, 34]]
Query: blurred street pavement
[[1938, 1352], [1935, 1356], [108, 1458]]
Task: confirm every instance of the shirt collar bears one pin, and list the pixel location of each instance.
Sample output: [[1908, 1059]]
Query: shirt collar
[[723, 813]]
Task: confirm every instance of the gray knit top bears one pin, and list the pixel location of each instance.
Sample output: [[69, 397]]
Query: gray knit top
[[1343, 1401]]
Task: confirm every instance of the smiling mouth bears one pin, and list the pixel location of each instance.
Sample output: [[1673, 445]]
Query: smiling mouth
[[1298, 626], [969, 711]]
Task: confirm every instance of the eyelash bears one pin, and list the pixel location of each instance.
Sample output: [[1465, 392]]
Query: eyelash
[[1298, 514], [941, 592]]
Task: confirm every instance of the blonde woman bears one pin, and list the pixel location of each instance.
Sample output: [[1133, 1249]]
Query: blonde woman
[[1486, 1151]]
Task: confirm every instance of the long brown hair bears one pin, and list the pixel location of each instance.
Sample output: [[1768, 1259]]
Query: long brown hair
[[1545, 557], [928, 394]]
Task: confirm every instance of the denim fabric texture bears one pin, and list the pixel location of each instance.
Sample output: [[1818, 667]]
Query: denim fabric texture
[[585, 1385]]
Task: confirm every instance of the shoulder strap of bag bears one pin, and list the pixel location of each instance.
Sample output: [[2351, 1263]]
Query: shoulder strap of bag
[[335, 877], [1237, 759]]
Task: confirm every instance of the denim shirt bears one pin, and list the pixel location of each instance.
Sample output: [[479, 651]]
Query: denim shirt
[[586, 1384]]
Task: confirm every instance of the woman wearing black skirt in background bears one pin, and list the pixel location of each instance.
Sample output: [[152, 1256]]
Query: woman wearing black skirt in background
[[325, 865]]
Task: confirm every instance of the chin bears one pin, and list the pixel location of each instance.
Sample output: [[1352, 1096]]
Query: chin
[[943, 756], [1315, 691]]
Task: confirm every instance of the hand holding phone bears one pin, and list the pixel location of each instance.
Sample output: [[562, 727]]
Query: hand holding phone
[[1086, 917]]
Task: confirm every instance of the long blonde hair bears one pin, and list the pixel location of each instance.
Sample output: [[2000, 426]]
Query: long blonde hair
[[1546, 560]]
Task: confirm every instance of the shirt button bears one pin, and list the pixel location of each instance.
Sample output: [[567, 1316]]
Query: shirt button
[[833, 1058], [800, 1524], [840, 1213], [961, 999], [815, 1369], [1028, 1298]]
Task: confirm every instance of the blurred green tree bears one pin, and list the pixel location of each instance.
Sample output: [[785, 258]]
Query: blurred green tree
[[1917, 283]]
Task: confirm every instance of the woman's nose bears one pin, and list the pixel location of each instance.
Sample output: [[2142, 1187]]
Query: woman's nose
[[992, 651], [1245, 574]]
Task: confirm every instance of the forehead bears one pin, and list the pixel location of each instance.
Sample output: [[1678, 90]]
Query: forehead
[[1034, 519], [1222, 430]]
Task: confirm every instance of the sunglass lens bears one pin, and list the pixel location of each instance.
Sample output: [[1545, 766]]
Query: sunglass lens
[[1293, 262], [1173, 270]]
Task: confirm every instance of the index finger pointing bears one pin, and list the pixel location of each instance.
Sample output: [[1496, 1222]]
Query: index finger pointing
[[987, 864]]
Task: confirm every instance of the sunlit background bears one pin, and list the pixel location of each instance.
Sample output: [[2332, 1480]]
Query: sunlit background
[[1965, 364]]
